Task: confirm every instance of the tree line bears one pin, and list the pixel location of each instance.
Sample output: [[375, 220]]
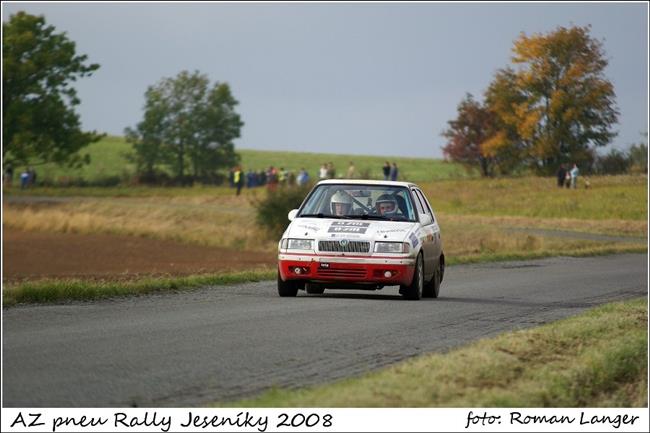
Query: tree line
[[187, 130], [552, 106]]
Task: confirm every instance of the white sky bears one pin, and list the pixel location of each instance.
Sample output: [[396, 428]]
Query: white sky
[[377, 79]]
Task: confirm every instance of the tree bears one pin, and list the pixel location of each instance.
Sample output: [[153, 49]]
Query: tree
[[638, 156], [466, 134], [39, 124], [187, 125], [559, 105]]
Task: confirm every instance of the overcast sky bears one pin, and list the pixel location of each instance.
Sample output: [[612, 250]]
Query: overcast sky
[[380, 79]]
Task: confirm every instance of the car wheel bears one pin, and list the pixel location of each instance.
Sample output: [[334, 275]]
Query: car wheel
[[414, 290], [432, 288], [314, 290], [287, 288]]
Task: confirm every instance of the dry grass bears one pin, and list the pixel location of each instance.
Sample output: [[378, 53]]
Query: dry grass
[[475, 216]]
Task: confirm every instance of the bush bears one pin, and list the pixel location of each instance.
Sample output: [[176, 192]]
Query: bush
[[273, 209]]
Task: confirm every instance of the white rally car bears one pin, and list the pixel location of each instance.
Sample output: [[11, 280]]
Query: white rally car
[[362, 234]]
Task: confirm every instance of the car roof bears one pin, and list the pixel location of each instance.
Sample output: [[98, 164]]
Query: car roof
[[365, 182]]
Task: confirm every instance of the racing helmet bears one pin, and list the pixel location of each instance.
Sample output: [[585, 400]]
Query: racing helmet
[[341, 200], [386, 204]]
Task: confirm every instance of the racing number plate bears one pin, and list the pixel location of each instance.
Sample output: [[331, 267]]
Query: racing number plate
[[324, 265]]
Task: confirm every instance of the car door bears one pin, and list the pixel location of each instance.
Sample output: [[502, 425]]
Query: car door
[[437, 241], [425, 234]]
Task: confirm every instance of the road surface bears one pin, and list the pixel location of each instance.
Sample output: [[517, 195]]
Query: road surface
[[225, 342]]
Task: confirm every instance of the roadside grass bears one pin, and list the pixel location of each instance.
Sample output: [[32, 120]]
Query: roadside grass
[[228, 223], [608, 198], [59, 290], [596, 359]]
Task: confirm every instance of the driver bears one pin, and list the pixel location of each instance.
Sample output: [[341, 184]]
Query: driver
[[386, 205], [341, 204]]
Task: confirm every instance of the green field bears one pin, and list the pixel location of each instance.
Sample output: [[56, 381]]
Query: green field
[[110, 165]]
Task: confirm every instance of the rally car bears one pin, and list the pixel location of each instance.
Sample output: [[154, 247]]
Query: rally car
[[362, 234]]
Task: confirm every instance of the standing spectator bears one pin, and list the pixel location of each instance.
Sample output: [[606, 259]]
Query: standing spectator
[[386, 170], [262, 178], [238, 178], [24, 179], [282, 176], [32, 176], [574, 176], [250, 179], [272, 178], [291, 178], [322, 174], [331, 171], [393, 171], [561, 174], [303, 177], [9, 175], [567, 179], [231, 177], [351, 170]]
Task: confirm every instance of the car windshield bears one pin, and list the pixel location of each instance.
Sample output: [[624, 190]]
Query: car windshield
[[350, 201]]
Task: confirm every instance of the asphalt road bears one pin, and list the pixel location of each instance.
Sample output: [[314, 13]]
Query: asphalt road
[[220, 343]]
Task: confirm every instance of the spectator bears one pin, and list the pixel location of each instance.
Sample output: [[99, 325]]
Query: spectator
[[331, 171], [393, 171], [322, 174], [574, 176], [250, 179], [272, 178], [351, 171], [24, 179], [32, 176], [238, 179], [282, 176], [561, 174], [567, 179], [231, 177], [303, 177], [8, 175], [386, 170]]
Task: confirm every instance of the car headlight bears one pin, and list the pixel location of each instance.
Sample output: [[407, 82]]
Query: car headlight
[[392, 247], [297, 244]]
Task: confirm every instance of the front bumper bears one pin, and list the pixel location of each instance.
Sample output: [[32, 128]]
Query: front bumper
[[345, 269]]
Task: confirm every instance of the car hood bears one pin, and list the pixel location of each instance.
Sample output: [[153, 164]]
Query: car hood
[[327, 228]]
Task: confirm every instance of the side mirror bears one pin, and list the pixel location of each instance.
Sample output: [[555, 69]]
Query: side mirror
[[425, 219], [292, 214]]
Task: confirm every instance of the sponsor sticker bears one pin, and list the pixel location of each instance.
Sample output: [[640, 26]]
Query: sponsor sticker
[[414, 240], [348, 227]]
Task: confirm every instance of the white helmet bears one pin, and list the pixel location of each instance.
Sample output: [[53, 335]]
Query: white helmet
[[386, 204], [342, 199]]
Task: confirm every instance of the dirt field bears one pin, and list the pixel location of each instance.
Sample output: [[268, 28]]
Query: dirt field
[[35, 255]]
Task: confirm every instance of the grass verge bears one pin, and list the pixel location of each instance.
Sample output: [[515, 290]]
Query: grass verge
[[48, 291], [596, 359]]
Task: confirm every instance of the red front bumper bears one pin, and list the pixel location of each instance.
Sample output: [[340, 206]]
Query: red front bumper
[[323, 271]]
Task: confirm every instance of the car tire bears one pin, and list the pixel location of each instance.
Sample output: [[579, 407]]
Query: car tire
[[287, 288], [414, 290], [432, 288], [314, 290]]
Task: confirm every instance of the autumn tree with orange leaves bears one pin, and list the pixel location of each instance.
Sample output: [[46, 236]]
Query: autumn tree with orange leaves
[[554, 106]]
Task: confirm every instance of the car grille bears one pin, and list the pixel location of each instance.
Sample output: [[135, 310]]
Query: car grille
[[342, 273], [351, 247]]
